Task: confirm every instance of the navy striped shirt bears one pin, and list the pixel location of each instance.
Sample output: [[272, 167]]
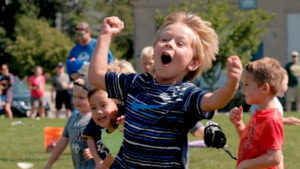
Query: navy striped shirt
[[157, 121]]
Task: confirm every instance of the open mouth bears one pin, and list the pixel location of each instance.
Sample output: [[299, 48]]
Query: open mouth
[[166, 59], [101, 119]]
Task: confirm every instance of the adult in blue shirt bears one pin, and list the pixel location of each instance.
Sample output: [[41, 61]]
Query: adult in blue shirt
[[82, 51]]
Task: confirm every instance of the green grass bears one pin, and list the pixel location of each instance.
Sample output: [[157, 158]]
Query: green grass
[[25, 143]]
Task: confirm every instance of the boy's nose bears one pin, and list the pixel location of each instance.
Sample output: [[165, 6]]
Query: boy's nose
[[170, 44], [99, 112]]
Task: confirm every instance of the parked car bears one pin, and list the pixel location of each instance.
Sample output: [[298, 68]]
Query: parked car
[[21, 105]]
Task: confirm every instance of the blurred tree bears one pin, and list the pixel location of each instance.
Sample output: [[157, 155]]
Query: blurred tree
[[238, 30], [9, 11], [72, 11], [4, 41], [37, 44], [122, 46], [64, 15]]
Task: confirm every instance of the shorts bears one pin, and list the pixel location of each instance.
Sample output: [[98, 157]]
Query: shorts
[[293, 94], [38, 102], [63, 98]]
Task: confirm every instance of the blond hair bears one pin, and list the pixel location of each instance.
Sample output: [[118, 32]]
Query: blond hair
[[120, 66], [266, 70], [205, 44], [146, 51]]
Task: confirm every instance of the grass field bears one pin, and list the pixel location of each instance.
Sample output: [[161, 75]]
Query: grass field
[[24, 143]]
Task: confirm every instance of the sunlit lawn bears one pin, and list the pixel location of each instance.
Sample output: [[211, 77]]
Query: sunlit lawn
[[25, 143]]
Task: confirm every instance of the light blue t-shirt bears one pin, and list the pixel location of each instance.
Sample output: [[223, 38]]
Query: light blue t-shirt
[[73, 131]]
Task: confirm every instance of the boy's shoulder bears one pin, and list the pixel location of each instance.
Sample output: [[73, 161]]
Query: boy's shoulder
[[80, 115], [134, 77], [267, 115], [80, 118], [73, 116], [146, 76]]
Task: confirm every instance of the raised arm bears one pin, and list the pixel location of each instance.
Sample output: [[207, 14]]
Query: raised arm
[[98, 64], [219, 98]]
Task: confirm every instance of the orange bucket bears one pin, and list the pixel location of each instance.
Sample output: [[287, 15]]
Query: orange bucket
[[51, 137]]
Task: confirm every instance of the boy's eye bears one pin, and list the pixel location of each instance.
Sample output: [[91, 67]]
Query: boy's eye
[[164, 39], [93, 108], [180, 44]]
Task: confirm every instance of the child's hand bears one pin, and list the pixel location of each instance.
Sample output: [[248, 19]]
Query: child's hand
[[234, 70], [87, 154], [291, 121], [236, 115], [121, 120], [112, 25]]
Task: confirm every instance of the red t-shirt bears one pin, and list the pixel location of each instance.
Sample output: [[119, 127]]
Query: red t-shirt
[[40, 82], [263, 132]]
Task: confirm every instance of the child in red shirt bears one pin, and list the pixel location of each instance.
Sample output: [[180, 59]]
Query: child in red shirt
[[261, 140], [37, 85]]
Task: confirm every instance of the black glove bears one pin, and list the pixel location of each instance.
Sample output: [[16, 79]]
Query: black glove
[[214, 136]]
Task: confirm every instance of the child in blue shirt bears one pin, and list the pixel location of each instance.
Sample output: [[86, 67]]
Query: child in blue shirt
[[160, 110], [81, 155]]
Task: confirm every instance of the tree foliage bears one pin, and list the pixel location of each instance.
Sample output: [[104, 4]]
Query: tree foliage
[[122, 46], [239, 31], [18, 32], [48, 14], [37, 44]]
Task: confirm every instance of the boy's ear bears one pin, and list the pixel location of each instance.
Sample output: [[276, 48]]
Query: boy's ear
[[266, 87], [193, 65]]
